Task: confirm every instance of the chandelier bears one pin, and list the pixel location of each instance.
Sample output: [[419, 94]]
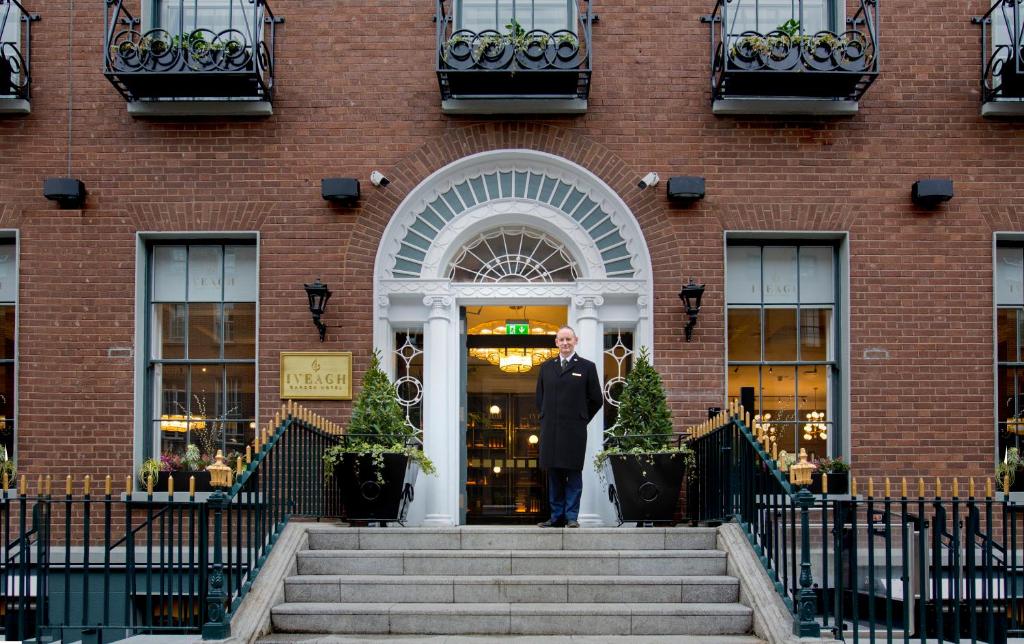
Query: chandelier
[[515, 363], [815, 425], [513, 359]]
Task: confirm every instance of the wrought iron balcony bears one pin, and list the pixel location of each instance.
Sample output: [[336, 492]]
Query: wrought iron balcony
[[788, 62], [1002, 60], [187, 60], [15, 74], [496, 70]]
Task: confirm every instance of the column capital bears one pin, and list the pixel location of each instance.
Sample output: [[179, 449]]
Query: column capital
[[440, 305], [587, 305]]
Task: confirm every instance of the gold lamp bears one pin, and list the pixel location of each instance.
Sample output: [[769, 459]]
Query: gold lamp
[[800, 472], [220, 474]]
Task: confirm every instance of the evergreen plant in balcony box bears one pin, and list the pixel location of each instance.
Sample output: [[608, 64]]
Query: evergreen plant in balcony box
[[644, 462], [376, 465]]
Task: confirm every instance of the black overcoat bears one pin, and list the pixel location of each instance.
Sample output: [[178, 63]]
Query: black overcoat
[[567, 400]]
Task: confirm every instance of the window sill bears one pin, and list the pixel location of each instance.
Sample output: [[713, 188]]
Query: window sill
[[158, 109], [457, 106], [783, 107], [1002, 108], [14, 106]]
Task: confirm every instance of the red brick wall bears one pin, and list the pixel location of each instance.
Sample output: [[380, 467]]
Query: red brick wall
[[356, 91]]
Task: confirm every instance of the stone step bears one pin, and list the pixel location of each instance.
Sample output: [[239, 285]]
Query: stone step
[[512, 562], [511, 538], [514, 619], [510, 588], [326, 638]]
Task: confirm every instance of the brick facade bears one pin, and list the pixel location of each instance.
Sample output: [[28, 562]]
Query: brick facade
[[356, 91]]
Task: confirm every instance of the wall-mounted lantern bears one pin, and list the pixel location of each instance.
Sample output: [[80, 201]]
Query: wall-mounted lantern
[[318, 294], [691, 295]]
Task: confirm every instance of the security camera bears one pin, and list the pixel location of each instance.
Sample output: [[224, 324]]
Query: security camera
[[378, 179], [650, 179]]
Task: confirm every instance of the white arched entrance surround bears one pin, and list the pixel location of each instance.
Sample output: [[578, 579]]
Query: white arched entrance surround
[[413, 291]]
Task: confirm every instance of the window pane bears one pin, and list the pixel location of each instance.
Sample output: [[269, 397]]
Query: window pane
[[236, 435], [780, 334], [204, 331], [215, 15], [744, 386], [1010, 408], [745, 334], [208, 436], [7, 409], [207, 392], [1007, 348], [767, 15], [241, 392], [7, 315], [549, 15], [8, 265], [780, 401], [1009, 263], [477, 15], [816, 279], [815, 334], [743, 274], [240, 274], [618, 360], [204, 274], [169, 273], [504, 14], [813, 410], [168, 337], [239, 331], [171, 404], [780, 274]]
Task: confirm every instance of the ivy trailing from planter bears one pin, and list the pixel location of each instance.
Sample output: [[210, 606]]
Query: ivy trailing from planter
[[377, 427]]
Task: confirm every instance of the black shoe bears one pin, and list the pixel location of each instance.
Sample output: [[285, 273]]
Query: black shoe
[[573, 524], [551, 524]]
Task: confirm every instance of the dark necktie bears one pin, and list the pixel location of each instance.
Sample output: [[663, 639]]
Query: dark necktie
[[564, 363]]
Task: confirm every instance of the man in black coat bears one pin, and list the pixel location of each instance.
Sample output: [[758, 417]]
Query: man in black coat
[[568, 396]]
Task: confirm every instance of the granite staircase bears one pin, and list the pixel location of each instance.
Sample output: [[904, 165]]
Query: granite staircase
[[497, 580]]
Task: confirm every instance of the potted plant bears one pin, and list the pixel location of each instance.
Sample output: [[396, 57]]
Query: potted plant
[[1011, 467], [376, 465], [643, 468], [7, 467], [838, 472]]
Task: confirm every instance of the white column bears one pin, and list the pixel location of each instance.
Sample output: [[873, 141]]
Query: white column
[[591, 347], [437, 431]]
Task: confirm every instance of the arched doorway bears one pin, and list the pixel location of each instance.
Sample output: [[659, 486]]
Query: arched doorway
[[432, 263]]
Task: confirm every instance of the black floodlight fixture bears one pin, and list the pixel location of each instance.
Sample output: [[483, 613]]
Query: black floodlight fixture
[[67, 192], [343, 191], [685, 189], [929, 193], [318, 294], [691, 295]]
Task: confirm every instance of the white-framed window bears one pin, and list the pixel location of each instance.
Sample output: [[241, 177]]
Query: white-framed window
[[764, 16], [1009, 300], [547, 15], [782, 301], [8, 346], [216, 16], [201, 347]]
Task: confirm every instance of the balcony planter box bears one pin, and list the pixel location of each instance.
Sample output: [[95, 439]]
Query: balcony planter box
[[365, 498], [645, 488], [780, 68], [838, 483]]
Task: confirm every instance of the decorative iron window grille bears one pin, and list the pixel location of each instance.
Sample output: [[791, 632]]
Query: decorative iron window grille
[[230, 57], [1002, 61], [513, 255], [409, 378], [803, 55], [618, 362], [515, 59], [15, 37]]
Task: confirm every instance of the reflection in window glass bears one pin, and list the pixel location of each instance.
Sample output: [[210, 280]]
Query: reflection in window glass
[[781, 356], [764, 16], [547, 15], [202, 341]]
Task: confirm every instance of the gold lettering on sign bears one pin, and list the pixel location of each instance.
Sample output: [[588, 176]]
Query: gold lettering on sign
[[316, 375]]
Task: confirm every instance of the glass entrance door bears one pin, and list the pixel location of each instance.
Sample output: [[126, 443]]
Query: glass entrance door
[[504, 349]]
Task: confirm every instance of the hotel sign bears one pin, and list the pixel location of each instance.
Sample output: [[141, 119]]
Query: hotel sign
[[316, 375]]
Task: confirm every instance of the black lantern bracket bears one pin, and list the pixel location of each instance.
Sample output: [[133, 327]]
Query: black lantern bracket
[[691, 295], [318, 294]]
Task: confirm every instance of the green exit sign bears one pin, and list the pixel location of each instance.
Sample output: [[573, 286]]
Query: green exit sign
[[517, 328]]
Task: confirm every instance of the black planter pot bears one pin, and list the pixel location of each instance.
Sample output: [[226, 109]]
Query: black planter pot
[[6, 86], [838, 483], [365, 498], [181, 481], [645, 489]]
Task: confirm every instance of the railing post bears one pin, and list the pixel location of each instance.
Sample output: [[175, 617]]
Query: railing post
[[217, 626], [807, 605]]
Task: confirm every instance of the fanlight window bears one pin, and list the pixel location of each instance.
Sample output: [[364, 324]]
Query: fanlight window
[[513, 255]]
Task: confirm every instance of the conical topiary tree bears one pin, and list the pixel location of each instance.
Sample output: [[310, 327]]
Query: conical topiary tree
[[377, 418], [644, 421]]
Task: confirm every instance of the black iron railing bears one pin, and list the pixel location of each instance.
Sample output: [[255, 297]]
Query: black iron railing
[[229, 56], [1002, 61], [788, 61], [95, 564], [15, 38], [514, 61], [903, 562]]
